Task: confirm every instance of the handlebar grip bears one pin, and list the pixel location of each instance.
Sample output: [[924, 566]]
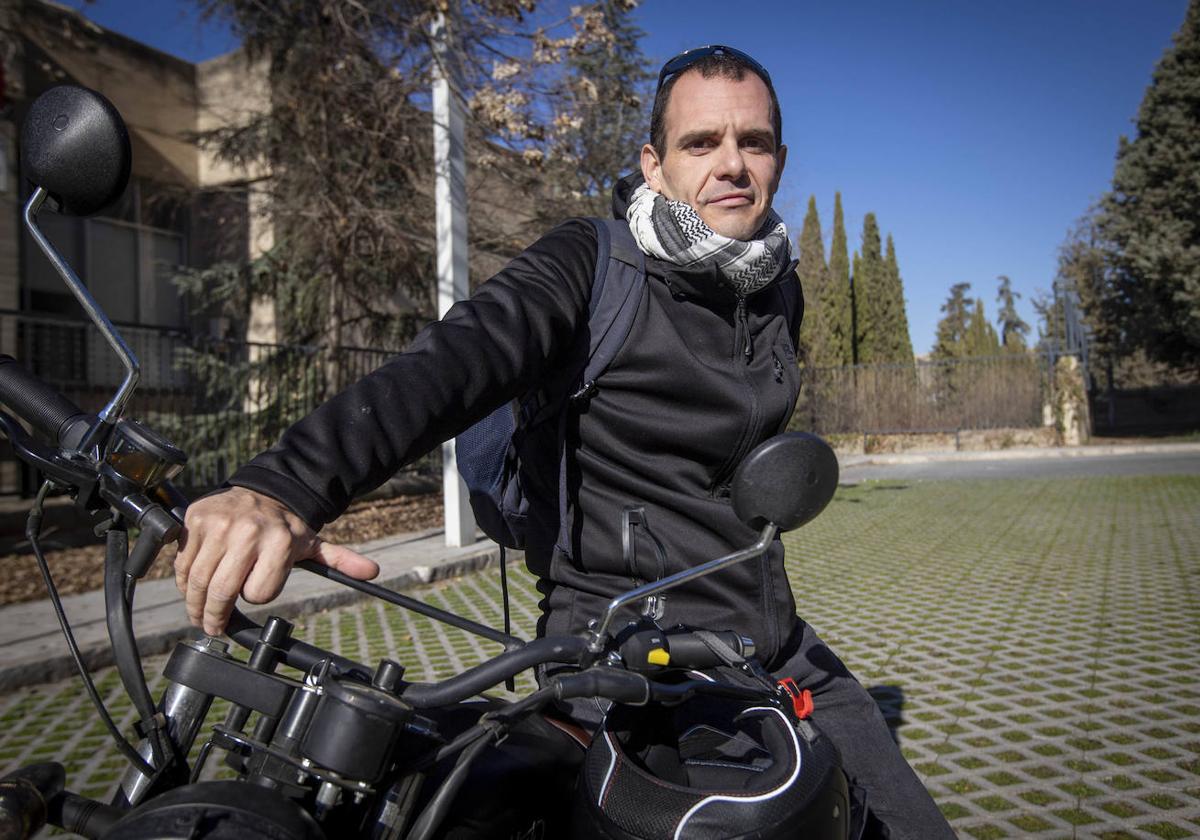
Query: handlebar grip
[[689, 651], [40, 405]]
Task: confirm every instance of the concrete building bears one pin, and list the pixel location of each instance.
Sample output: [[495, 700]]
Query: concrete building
[[183, 207], [127, 253]]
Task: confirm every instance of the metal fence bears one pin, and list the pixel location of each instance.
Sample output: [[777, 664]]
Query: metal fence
[[991, 392], [222, 402]]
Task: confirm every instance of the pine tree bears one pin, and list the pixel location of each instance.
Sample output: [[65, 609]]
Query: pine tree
[[870, 297], [604, 118], [952, 328], [841, 307], [981, 339], [817, 343], [900, 341], [1012, 327], [1151, 218]]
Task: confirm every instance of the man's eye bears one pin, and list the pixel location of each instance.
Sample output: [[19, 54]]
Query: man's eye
[[757, 144], [700, 145]]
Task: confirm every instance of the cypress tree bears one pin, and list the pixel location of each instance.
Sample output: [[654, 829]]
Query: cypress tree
[[817, 343], [900, 343], [981, 339], [840, 313], [855, 348], [1151, 218], [870, 304]]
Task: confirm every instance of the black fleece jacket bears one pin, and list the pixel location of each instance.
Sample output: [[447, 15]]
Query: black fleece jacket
[[703, 377]]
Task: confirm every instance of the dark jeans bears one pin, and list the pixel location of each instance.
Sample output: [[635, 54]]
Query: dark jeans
[[847, 714], [850, 718]]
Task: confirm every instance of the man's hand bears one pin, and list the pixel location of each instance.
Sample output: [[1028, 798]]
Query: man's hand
[[239, 541]]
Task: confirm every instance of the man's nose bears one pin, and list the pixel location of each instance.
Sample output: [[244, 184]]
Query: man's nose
[[730, 164]]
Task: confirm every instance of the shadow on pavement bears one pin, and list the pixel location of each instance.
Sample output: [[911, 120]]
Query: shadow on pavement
[[890, 700], [853, 486]]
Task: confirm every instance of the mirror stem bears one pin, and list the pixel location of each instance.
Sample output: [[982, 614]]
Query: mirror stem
[[111, 412], [600, 634]]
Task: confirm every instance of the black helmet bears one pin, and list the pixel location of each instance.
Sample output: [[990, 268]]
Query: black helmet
[[709, 768]]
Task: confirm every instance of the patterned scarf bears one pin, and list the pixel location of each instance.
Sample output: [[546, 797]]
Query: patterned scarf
[[674, 232]]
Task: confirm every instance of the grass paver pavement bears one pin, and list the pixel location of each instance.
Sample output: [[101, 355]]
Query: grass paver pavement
[[1034, 641]]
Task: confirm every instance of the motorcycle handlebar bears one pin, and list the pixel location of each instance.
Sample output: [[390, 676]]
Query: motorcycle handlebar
[[64, 423], [34, 401], [299, 655], [305, 657], [567, 649]]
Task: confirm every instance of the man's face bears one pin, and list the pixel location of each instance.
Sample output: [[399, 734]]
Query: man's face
[[722, 155]]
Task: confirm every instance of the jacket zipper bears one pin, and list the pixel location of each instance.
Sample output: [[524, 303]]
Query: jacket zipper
[[744, 345], [743, 329]]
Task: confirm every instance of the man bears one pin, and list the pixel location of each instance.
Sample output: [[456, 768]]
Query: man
[[707, 372]]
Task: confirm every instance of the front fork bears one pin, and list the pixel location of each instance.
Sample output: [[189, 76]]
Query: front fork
[[184, 710]]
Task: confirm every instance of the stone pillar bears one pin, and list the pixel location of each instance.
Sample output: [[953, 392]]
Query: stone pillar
[[1071, 419]]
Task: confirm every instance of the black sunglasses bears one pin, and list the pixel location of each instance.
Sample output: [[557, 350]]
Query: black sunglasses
[[687, 58]]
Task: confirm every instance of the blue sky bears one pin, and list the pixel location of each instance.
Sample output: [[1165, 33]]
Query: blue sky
[[976, 132]]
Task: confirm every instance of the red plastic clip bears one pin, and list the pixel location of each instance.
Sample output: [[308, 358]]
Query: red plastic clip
[[802, 702]]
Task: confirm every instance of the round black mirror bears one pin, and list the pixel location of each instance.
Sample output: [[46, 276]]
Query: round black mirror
[[74, 145], [786, 481]]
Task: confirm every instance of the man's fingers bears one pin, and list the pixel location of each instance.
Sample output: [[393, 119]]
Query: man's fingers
[[198, 574], [183, 562], [223, 591], [345, 561], [184, 559], [270, 572]]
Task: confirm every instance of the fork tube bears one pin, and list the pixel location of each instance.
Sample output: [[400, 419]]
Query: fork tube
[[185, 709]]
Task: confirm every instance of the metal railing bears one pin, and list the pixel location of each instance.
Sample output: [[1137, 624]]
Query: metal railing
[[224, 401], [991, 392], [221, 401]]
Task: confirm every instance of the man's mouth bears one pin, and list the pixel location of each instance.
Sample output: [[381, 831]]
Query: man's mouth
[[731, 200]]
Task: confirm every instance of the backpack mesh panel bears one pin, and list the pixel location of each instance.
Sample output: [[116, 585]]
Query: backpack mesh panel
[[482, 449]]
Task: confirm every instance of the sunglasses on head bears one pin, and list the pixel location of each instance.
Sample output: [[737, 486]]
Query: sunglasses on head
[[687, 58]]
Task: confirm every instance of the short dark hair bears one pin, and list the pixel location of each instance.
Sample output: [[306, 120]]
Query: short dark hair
[[720, 65]]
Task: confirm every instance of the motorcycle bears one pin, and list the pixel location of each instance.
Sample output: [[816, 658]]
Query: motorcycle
[[350, 750]]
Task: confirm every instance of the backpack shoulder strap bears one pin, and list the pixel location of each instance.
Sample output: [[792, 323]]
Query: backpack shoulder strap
[[793, 306], [616, 291]]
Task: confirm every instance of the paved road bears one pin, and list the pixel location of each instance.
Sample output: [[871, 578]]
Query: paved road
[[1182, 463], [1035, 640]]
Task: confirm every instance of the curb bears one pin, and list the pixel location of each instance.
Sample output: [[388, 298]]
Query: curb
[[1021, 453]]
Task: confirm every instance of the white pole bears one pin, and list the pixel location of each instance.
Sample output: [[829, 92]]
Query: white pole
[[450, 166]]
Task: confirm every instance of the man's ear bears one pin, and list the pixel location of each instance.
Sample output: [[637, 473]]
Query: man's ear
[[651, 168]]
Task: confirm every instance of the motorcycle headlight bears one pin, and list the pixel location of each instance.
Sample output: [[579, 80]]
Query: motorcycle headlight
[[143, 456]]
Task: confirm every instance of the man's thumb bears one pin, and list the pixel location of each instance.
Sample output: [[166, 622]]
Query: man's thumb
[[345, 560]]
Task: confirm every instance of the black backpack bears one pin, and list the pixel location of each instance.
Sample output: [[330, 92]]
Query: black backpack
[[488, 453]]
